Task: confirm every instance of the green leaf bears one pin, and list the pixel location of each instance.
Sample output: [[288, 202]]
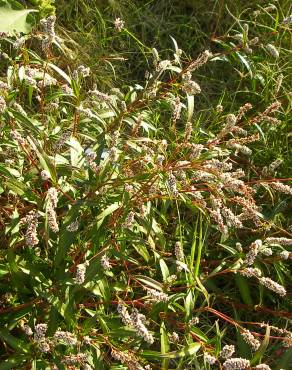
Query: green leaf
[[191, 102], [13, 342], [164, 269], [76, 152], [13, 363], [189, 350], [29, 124], [245, 62], [150, 282], [262, 349], [284, 361], [60, 72], [110, 209], [142, 250], [164, 344], [14, 20], [244, 290], [198, 332]]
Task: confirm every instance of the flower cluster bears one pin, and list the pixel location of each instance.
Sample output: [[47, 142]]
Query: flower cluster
[[52, 197], [137, 321], [236, 364], [250, 340], [80, 273], [48, 25], [157, 296], [31, 220], [227, 351]]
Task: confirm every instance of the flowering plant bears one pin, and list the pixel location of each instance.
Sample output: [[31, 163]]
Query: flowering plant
[[114, 203]]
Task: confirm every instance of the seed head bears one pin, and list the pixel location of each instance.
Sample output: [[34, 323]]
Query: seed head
[[31, 220]]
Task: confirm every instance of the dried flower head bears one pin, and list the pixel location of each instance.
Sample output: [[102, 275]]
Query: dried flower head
[[253, 252], [80, 358], [188, 131], [178, 251], [81, 71], [129, 220], [177, 107], [286, 189], [172, 184], [48, 25], [126, 358]]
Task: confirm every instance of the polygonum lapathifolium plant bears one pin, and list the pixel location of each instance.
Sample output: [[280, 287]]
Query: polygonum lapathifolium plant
[[121, 216]]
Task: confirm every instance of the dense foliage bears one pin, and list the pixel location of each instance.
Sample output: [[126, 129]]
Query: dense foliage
[[145, 199]]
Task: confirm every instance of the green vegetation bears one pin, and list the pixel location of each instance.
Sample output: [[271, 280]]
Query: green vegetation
[[144, 184]]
